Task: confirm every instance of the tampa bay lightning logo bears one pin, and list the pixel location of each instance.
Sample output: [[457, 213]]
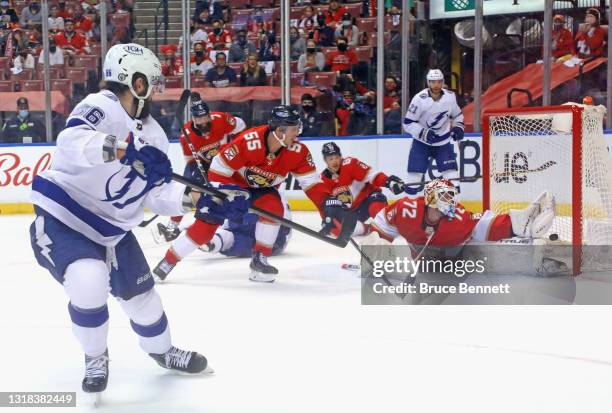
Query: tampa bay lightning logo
[[435, 124], [115, 196]]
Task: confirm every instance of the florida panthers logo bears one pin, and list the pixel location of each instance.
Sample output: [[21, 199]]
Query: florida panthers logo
[[344, 194], [258, 178]]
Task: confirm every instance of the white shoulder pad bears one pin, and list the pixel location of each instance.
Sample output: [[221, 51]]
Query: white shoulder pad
[[96, 111]]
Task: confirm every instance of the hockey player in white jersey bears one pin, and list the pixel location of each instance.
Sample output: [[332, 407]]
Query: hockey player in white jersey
[[93, 195], [433, 119]]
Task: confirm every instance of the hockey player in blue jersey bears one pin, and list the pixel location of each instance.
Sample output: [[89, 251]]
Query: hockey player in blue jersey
[[109, 164], [433, 119], [236, 237]]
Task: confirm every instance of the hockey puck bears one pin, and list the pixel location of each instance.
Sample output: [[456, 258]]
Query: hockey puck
[[553, 237]]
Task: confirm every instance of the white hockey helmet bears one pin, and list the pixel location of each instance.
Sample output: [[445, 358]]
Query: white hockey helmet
[[434, 74], [123, 61], [441, 194]]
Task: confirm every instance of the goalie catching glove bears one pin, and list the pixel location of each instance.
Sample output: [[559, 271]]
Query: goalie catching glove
[[535, 220]]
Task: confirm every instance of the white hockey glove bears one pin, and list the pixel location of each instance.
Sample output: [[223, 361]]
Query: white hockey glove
[[535, 220]]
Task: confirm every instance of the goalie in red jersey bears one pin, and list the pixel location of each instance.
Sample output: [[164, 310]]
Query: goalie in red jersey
[[207, 131], [436, 219], [258, 159], [356, 185]]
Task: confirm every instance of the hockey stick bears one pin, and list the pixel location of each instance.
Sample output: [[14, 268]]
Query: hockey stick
[[180, 109], [348, 224]]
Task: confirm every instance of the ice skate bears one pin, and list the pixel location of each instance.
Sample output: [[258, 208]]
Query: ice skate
[[261, 271], [162, 269], [96, 376], [183, 361], [165, 233]]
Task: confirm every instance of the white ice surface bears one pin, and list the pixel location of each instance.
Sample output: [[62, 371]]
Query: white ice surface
[[305, 344]]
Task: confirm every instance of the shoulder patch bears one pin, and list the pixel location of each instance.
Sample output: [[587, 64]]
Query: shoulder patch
[[230, 152], [231, 120], [423, 95]]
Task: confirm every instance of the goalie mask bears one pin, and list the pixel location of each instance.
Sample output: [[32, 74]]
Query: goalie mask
[[442, 195]]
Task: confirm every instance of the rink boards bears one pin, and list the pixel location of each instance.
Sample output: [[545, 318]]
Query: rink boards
[[389, 153]]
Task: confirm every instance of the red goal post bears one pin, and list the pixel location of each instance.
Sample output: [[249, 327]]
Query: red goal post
[[560, 149]]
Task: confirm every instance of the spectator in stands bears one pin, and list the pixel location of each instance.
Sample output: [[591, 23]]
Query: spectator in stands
[[311, 118], [562, 39], [80, 21], [63, 12], [113, 36], [345, 105], [71, 41], [171, 66], [5, 25], [297, 43], [91, 6], [219, 38], [308, 21], [270, 49], [391, 100], [334, 14], [362, 120], [347, 29], [241, 48], [56, 22], [16, 42], [198, 34], [221, 75], [22, 128], [31, 16], [323, 35], [590, 38], [258, 26], [6, 10], [343, 59], [312, 60], [205, 17], [213, 9], [253, 74], [56, 54], [200, 62], [23, 60]]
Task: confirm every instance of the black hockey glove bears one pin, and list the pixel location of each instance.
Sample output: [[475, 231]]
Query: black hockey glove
[[333, 213], [395, 184]]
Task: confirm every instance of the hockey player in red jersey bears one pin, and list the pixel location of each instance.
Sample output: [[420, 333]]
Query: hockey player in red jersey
[[357, 185], [258, 159], [207, 131], [438, 220]]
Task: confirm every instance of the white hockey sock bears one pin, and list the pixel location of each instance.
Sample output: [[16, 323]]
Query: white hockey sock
[[183, 245], [149, 321], [266, 233], [223, 240]]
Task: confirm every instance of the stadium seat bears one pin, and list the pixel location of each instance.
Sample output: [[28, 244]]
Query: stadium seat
[[296, 12], [297, 79], [236, 66], [96, 49], [364, 53], [271, 14], [91, 62], [78, 75], [241, 12], [354, 9], [63, 85], [328, 50], [198, 81], [321, 79], [55, 72], [174, 82], [4, 67], [240, 4], [235, 27], [25, 74], [261, 3], [7, 86], [120, 19], [293, 66], [366, 24], [31, 86]]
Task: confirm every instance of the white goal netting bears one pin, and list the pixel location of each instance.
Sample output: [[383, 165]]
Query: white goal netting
[[561, 150]]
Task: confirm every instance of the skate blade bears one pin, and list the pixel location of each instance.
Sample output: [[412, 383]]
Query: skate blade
[[257, 276], [157, 236], [96, 398], [208, 370]]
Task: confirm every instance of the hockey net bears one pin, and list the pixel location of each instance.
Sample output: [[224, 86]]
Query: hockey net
[[560, 149]]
